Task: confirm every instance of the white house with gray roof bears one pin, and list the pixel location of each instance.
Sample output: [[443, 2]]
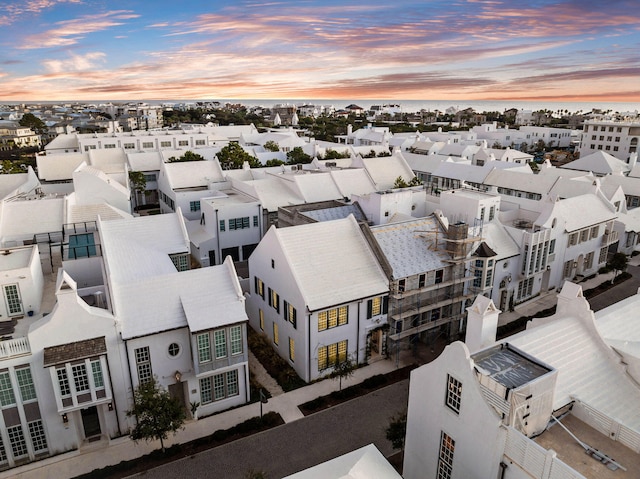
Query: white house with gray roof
[[319, 295]]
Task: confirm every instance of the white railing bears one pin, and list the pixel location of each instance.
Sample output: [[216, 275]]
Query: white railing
[[535, 460], [14, 347]]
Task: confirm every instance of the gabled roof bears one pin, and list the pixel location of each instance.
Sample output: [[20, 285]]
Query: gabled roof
[[412, 247], [331, 262], [385, 170], [144, 161], [352, 181], [190, 174], [139, 248], [588, 370], [577, 212], [203, 298], [600, 163]]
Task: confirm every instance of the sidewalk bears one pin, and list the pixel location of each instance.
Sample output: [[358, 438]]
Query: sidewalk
[[75, 463], [549, 299]]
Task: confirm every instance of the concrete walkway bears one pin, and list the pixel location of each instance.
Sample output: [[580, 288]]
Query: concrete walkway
[[550, 298], [97, 456]]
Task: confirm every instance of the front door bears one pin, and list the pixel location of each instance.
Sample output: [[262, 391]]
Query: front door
[[91, 422], [177, 391]]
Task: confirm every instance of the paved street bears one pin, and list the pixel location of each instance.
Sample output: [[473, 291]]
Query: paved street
[[298, 445], [620, 292]]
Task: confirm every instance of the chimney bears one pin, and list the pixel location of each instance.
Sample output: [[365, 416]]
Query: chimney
[[482, 324]]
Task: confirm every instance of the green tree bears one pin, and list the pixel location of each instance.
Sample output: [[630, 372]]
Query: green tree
[[344, 369], [9, 167], [138, 182], [334, 155], [274, 162], [156, 412], [618, 262], [271, 146], [396, 431], [298, 156], [401, 183], [233, 156], [188, 156], [31, 121]]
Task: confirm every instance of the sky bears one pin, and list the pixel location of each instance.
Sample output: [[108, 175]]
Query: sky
[[560, 50]]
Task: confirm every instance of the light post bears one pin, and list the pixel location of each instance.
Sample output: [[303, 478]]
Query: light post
[[263, 400]]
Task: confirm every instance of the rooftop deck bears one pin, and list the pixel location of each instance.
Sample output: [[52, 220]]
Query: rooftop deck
[[574, 455]]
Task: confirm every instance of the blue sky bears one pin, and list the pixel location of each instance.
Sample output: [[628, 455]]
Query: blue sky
[[572, 50]]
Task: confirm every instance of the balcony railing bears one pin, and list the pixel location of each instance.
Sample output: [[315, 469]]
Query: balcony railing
[[14, 347], [609, 237]]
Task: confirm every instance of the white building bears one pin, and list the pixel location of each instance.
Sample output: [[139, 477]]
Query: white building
[[616, 137], [318, 293], [530, 406]]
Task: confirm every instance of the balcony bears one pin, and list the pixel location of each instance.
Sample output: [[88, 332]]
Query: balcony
[[14, 347], [609, 237]]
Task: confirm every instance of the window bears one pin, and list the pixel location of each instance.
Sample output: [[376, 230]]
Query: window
[[220, 386], [194, 205], [80, 377], [25, 383], [147, 144], [292, 350], [445, 457], [180, 261], [333, 318], [38, 438], [290, 313], [255, 221], [14, 304], [129, 146], [63, 382], [143, 364], [17, 441], [274, 300], [259, 286], [454, 394], [422, 280], [173, 349], [329, 356], [573, 239], [594, 232], [492, 212], [603, 255], [482, 214], [439, 276], [7, 397], [108, 146], [204, 348], [220, 341], [588, 260], [568, 266], [96, 372], [200, 142], [276, 338], [183, 142], [239, 223], [376, 307], [221, 225], [235, 334], [261, 316], [165, 144], [3, 453], [584, 235]]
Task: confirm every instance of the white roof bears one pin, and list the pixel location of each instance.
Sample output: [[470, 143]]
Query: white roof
[[59, 167], [10, 183], [497, 238], [353, 181], [578, 212], [24, 218], [202, 298], [423, 163], [462, 172], [331, 262], [189, 174], [410, 246], [364, 463], [315, 186], [271, 192], [598, 162], [139, 248], [82, 213], [587, 368], [144, 161], [629, 184], [385, 170], [64, 141]]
